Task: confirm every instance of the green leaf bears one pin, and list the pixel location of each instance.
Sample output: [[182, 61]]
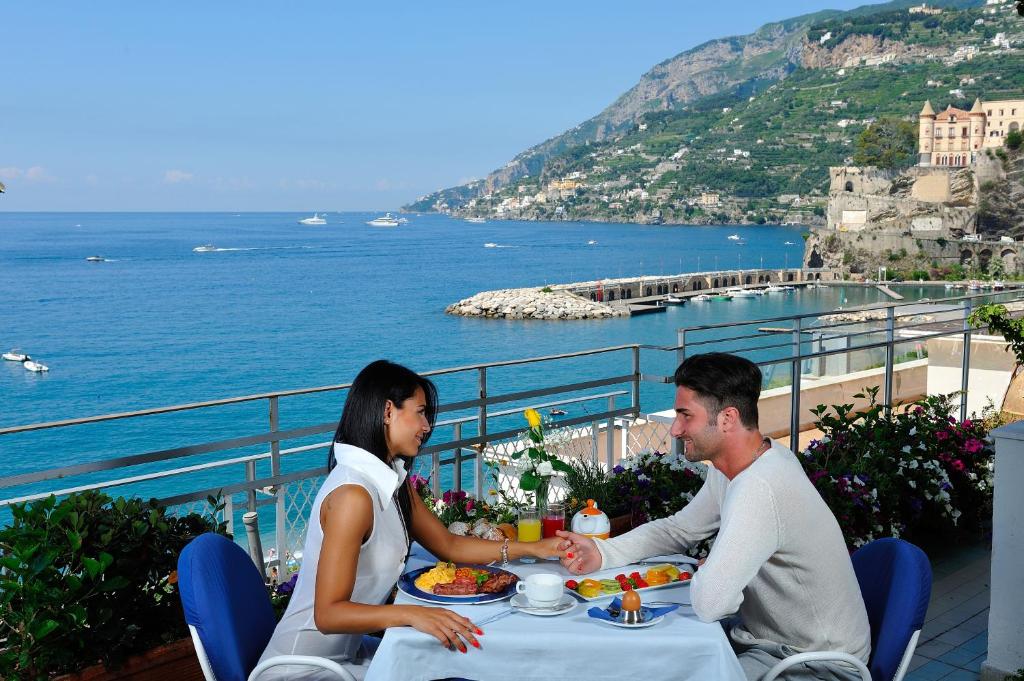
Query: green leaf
[[106, 559], [43, 628], [114, 583], [561, 466], [534, 454], [529, 482], [536, 435], [92, 567], [516, 455], [74, 540]]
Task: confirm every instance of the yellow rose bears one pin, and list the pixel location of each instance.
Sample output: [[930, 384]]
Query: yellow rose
[[532, 417]]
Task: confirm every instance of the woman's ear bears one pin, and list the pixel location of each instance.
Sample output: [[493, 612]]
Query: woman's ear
[[389, 407]]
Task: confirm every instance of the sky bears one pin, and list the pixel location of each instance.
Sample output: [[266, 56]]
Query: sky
[[314, 105]]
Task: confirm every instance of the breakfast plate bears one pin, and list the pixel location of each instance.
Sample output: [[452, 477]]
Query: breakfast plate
[[639, 625], [456, 579], [610, 582]]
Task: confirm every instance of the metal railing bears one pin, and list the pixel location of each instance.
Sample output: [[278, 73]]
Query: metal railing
[[271, 467]]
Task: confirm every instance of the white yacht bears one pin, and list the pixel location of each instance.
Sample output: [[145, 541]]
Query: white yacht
[[95, 258], [386, 220], [490, 244], [37, 367], [733, 237], [315, 220], [789, 243], [740, 293], [476, 220], [998, 286], [592, 242], [205, 248], [403, 221], [701, 298], [16, 355], [772, 288]]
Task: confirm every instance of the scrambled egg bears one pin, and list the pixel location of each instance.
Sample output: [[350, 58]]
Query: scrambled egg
[[442, 573]]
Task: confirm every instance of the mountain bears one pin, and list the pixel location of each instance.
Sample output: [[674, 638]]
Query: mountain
[[748, 117]]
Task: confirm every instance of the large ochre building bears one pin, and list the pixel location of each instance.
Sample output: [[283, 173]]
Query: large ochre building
[[955, 137]]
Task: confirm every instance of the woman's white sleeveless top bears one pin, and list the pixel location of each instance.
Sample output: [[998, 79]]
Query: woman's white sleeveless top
[[381, 561]]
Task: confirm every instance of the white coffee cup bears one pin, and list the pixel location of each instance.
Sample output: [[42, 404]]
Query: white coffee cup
[[543, 590]]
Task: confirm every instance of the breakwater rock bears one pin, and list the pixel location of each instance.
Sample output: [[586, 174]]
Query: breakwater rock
[[532, 303]]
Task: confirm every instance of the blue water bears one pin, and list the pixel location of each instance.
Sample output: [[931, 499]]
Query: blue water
[[286, 306]]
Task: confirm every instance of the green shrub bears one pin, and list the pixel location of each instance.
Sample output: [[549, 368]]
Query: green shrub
[[1014, 140], [90, 579]]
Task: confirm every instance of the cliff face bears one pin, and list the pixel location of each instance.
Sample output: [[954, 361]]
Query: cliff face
[[1001, 189], [855, 48]]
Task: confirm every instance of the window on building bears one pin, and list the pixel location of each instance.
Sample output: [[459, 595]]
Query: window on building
[[963, 131], [952, 132], [990, 113], [1000, 112]]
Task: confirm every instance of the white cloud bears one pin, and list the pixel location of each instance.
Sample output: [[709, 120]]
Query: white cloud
[[177, 176], [11, 173], [38, 174]]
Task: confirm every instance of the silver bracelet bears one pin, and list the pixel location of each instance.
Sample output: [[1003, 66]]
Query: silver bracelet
[[504, 552]]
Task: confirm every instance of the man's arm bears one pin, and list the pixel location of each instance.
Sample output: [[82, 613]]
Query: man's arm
[[749, 536], [675, 534]]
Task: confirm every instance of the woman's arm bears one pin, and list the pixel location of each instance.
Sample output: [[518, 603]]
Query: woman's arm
[[346, 517], [430, 532]]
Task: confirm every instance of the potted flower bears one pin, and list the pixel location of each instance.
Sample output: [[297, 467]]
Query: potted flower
[[536, 464], [913, 471]]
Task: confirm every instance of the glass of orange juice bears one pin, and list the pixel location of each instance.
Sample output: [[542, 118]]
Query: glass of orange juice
[[529, 528]]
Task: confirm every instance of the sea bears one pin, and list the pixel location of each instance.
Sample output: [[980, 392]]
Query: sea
[[277, 305]]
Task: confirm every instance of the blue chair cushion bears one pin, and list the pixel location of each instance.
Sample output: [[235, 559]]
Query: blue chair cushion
[[224, 598], [895, 580]]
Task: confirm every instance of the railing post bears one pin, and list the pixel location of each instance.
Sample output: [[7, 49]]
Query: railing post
[[609, 435], [250, 492], [281, 520], [594, 430], [965, 366], [481, 418], [890, 355], [252, 534], [794, 396], [680, 346], [636, 381], [229, 514], [435, 473], [457, 473]]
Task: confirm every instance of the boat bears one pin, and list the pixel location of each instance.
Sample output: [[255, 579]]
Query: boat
[[16, 355], [37, 367], [998, 286], [403, 221], [733, 237], [315, 220], [974, 286], [95, 258], [789, 243], [386, 220], [490, 244], [557, 412], [205, 248], [592, 242], [701, 298], [476, 220], [721, 296], [772, 288], [740, 293]]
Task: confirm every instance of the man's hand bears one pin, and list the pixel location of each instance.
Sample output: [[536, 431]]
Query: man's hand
[[581, 554]]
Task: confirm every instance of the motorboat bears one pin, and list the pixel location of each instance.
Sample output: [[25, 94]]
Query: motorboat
[[740, 293], [476, 220], [733, 237], [998, 286], [772, 288], [949, 287], [205, 248], [592, 242], [37, 367], [674, 300], [16, 355], [701, 298], [490, 244], [403, 221], [557, 412], [789, 243], [721, 296], [95, 258], [386, 220], [315, 220]]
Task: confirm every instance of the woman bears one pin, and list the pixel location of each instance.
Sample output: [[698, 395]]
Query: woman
[[360, 528]]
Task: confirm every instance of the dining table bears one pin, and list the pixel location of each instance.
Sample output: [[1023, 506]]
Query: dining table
[[573, 645]]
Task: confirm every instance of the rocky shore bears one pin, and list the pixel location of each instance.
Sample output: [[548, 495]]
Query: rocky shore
[[532, 303]]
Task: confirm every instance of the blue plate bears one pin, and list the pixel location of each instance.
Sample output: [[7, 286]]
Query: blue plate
[[407, 585]]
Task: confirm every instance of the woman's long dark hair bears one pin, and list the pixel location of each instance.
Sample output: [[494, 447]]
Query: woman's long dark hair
[[362, 419]]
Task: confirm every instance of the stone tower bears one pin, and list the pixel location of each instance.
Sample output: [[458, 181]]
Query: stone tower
[[978, 121], [926, 131]]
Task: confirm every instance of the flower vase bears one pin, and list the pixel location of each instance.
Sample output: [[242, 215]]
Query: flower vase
[[541, 498]]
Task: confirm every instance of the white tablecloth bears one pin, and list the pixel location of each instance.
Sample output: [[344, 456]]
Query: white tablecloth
[[573, 646]]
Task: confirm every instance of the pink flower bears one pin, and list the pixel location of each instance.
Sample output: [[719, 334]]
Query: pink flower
[[469, 505], [973, 446], [918, 410], [942, 435], [968, 423], [958, 465]]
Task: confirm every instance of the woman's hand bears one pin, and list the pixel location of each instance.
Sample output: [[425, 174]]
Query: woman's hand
[[448, 627], [545, 548], [580, 553]]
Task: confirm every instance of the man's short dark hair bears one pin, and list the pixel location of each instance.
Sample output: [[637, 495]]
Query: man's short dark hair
[[722, 380]]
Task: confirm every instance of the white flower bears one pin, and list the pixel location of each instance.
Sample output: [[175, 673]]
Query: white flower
[[913, 485], [906, 449], [913, 431], [544, 469], [642, 478]]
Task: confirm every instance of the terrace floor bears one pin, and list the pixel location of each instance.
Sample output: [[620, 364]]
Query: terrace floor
[[954, 641]]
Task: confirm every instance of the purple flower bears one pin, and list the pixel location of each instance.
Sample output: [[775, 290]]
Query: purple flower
[[289, 586], [618, 469]]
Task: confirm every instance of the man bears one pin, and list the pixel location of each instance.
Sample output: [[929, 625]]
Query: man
[[779, 559]]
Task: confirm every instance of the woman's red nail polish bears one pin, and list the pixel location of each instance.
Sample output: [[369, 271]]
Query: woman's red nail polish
[[478, 632], [476, 644], [568, 555]]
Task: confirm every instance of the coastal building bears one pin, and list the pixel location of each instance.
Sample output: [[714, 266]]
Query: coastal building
[[923, 8], [709, 199], [955, 137]]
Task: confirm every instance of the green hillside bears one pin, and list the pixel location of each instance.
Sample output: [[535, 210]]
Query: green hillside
[[766, 137]]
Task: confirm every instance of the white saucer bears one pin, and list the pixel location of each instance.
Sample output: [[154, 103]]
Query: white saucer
[[521, 603], [641, 625]]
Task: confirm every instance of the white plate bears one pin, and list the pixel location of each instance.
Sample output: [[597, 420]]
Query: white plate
[[648, 623], [521, 603], [609, 574]]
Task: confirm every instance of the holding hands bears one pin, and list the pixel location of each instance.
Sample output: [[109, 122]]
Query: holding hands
[[580, 554]]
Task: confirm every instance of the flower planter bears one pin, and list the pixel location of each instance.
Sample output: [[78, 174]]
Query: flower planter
[[172, 662]]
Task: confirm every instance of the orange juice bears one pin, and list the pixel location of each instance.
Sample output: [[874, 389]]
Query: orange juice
[[529, 529]]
